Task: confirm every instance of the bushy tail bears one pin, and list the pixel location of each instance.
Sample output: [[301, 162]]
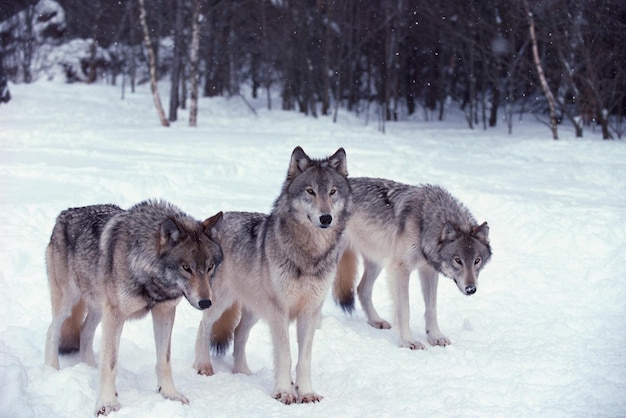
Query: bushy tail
[[223, 329], [70, 331], [343, 287]]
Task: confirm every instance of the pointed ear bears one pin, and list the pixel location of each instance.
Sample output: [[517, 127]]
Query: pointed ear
[[169, 233], [299, 162], [449, 232], [481, 232], [214, 226], [338, 162]]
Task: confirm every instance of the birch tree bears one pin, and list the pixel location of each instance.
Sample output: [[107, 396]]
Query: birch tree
[[152, 64], [542, 76], [193, 61]]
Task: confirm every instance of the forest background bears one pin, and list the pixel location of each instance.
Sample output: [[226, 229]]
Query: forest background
[[561, 60]]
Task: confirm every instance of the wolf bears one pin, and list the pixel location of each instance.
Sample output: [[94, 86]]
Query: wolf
[[279, 267], [404, 228], [106, 263]]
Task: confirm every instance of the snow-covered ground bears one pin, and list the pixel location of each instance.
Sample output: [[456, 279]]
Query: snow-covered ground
[[545, 335]]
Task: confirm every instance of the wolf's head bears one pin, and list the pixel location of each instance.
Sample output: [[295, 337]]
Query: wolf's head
[[318, 190], [192, 254], [463, 254]]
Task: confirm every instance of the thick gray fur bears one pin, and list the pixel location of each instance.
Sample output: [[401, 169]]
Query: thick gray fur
[[278, 267], [108, 264], [402, 228]]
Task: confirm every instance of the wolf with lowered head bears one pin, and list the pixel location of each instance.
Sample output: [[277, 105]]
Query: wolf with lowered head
[[109, 264], [403, 228]]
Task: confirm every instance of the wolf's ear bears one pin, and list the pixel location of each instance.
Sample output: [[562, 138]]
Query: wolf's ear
[[169, 233], [481, 232], [449, 232], [338, 162], [214, 226], [299, 162]]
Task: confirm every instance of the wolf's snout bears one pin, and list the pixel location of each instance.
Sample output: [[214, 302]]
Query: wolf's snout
[[325, 220], [204, 303], [470, 290]]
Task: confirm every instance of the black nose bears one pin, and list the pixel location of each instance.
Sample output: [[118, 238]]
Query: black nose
[[470, 290], [204, 303], [326, 219]]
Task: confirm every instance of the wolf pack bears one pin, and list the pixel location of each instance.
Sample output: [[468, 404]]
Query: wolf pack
[[107, 265]]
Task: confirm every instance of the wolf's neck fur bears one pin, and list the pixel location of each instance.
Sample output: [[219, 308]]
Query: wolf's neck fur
[[310, 250]]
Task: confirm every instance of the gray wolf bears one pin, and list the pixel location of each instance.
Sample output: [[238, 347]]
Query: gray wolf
[[279, 267], [107, 263], [403, 228]]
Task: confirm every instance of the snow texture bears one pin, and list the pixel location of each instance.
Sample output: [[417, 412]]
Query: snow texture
[[544, 335]]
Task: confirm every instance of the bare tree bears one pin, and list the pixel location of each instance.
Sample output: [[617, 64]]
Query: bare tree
[[542, 77], [176, 62], [152, 64], [193, 62]]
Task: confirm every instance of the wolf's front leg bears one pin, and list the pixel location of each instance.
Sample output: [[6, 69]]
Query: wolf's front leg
[[429, 278], [203, 352], [279, 328], [112, 325], [399, 284], [163, 316], [307, 323]]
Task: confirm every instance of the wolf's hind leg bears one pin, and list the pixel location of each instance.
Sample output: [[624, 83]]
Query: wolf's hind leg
[[87, 330], [364, 290], [53, 337], [242, 332]]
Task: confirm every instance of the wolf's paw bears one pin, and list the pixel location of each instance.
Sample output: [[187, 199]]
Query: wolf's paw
[[438, 340], [382, 324], [310, 398], [413, 345], [285, 397], [174, 395], [204, 369], [243, 370], [105, 408]]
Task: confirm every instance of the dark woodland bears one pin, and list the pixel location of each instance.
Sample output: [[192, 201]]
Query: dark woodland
[[562, 60]]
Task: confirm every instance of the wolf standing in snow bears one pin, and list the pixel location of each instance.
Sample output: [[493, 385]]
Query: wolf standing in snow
[[279, 267], [110, 264], [403, 228]]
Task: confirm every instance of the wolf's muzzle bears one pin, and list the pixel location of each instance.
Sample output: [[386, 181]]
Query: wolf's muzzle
[[204, 303], [325, 220]]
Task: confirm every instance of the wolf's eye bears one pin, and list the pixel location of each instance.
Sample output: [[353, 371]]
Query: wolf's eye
[[332, 192], [458, 261], [477, 261], [310, 191], [186, 267], [210, 267]]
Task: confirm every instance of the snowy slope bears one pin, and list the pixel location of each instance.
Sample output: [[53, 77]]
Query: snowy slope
[[545, 334]]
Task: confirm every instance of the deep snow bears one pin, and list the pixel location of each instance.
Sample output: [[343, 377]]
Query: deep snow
[[545, 334]]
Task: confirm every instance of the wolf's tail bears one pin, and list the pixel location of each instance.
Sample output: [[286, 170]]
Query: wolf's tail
[[343, 287], [70, 331], [223, 330]]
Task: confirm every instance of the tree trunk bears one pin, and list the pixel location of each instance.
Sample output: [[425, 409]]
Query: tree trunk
[[175, 72], [542, 77], [152, 63], [193, 62]]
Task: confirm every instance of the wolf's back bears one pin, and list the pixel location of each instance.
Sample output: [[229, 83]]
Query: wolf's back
[[77, 231]]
